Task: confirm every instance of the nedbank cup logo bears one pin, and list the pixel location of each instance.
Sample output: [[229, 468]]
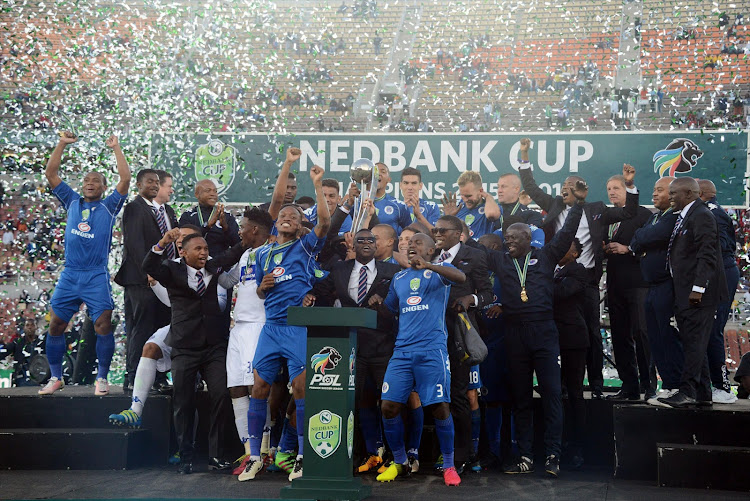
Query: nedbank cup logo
[[324, 433], [216, 161]]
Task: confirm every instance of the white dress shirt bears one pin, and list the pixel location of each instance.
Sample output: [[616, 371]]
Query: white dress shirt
[[354, 277]]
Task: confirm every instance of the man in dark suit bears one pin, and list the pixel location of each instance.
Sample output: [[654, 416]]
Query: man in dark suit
[[198, 340], [694, 258], [219, 227], [591, 231], [468, 296], [352, 283], [626, 296], [144, 222]]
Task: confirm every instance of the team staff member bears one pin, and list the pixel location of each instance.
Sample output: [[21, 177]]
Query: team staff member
[[531, 338], [469, 296], [649, 244], [285, 274], [218, 226], [144, 222], [717, 367], [590, 233], [85, 278], [420, 358], [352, 283], [695, 262], [477, 208], [508, 198]]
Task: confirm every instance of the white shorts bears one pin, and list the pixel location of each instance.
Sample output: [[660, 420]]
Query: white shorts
[[243, 339], [164, 364]]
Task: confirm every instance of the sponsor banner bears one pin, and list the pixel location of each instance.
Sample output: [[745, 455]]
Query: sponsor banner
[[245, 166]]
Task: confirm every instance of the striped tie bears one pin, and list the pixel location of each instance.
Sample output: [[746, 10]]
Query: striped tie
[[162, 222], [445, 255], [362, 286], [671, 241], [201, 288]]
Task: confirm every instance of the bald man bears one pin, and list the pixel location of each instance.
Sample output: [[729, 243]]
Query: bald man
[[218, 226], [511, 208], [694, 261], [717, 367]]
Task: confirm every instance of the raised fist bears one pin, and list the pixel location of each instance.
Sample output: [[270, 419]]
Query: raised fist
[[293, 154]]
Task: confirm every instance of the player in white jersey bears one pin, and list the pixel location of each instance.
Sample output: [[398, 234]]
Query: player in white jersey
[[249, 318]]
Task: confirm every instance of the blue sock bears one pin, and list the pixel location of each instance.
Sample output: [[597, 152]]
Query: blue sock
[[55, 347], [394, 434], [368, 420], [300, 403], [105, 348], [288, 438], [493, 420], [256, 419], [445, 433], [476, 426], [416, 423]]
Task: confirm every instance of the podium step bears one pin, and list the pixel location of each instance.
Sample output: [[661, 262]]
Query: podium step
[[703, 466], [72, 448]]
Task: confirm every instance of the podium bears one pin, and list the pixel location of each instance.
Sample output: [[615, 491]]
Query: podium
[[329, 402]]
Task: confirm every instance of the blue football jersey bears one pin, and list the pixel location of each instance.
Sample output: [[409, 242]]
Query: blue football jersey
[[392, 212], [293, 264], [475, 219], [430, 210], [419, 298], [312, 215], [88, 234]]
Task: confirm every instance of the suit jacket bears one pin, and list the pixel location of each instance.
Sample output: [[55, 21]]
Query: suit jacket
[[197, 321], [217, 239], [696, 259], [140, 232], [569, 284], [649, 243], [598, 215], [623, 270], [371, 343]]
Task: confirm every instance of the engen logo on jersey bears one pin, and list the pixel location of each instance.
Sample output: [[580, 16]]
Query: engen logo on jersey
[[414, 300], [84, 226], [278, 271]]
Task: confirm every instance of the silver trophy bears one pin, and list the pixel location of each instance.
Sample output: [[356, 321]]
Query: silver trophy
[[364, 173]]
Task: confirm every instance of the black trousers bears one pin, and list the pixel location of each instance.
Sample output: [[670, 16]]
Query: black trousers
[[595, 355], [144, 314], [211, 362], [630, 339], [694, 325], [666, 348], [572, 369], [534, 346], [460, 410]]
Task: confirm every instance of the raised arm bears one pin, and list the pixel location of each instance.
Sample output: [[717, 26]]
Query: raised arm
[[538, 195], [491, 209], [52, 172], [277, 199], [450, 273], [324, 217], [123, 170], [154, 265], [560, 243]]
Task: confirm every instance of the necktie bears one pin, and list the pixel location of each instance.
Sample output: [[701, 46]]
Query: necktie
[[201, 284], [671, 240], [443, 256], [362, 285], [162, 222]]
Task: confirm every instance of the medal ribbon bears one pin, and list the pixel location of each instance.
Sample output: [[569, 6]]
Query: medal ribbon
[[522, 274], [512, 212], [200, 215], [275, 248]]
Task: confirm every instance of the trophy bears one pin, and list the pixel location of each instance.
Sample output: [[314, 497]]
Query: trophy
[[364, 173]]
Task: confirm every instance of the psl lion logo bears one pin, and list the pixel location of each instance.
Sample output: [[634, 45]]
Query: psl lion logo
[[325, 360], [681, 155]]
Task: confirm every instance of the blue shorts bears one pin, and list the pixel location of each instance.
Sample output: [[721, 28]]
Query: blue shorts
[[276, 342], [425, 371], [74, 287], [475, 380]]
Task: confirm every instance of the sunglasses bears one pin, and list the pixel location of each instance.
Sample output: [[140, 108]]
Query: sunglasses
[[443, 231], [365, 240]]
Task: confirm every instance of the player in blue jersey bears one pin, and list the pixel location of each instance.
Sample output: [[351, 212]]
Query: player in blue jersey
[[389, 210], [411, 186], [285, 273], [419, 296], [333, 199], [85, 278], [477, 208]]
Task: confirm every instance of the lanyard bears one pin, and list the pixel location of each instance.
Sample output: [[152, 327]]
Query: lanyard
[[613, 229], [659, 215], [512, 212], [522, 275], [200, 215], [276, 248]]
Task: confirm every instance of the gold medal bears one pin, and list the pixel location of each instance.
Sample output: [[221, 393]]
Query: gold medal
[[522, 276], [524, 296]]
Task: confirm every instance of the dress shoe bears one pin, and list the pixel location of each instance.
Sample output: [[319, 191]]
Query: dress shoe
[[161, 388], [704, 403], [624, 396], [216, 464], [597, 394], [127, 388], [678, 400], [185, 468]]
